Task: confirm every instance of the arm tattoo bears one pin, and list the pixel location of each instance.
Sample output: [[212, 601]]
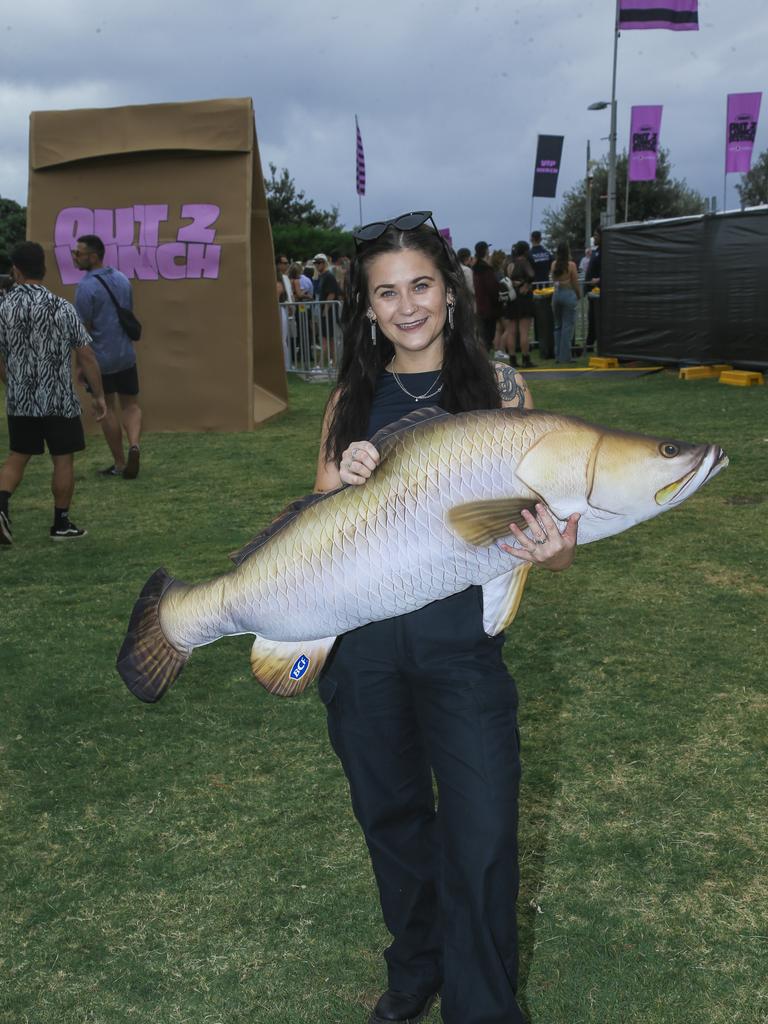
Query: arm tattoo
[[510, 389]]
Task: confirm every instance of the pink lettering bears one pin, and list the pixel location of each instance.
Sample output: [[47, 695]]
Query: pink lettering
[[149, 219], [200, 230], [71, 222], [203, 260], [114, 227], [139, 261], [67, 270], [167, 255]]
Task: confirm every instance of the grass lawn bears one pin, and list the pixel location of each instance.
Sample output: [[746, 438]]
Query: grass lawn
[[197, 861]]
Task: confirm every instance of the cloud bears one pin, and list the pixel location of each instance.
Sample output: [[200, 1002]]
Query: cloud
[[450, 97]]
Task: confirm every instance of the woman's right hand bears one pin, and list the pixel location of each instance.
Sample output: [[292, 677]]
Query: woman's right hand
[[358, 462]]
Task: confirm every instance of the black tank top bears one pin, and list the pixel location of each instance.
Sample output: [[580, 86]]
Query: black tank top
[[390, 402]]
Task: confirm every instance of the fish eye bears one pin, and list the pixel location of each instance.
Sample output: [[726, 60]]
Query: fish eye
[[669, 450]]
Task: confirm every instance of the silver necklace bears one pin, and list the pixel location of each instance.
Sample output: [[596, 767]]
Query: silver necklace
[[434, 388]]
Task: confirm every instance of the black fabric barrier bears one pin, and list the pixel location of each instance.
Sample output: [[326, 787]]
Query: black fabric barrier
[[689, 290]]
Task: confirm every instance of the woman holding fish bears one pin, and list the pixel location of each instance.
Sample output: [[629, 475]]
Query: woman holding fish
[[428, 692]]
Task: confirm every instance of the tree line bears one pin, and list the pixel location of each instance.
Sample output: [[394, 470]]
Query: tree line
[[300, 228]]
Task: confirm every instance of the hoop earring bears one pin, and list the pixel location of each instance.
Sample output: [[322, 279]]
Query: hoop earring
[[450, 315]]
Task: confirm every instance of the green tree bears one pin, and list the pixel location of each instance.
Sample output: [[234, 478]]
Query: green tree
[[648, 200], [299, 228], [753, 189], [13, 229], [287, 205]]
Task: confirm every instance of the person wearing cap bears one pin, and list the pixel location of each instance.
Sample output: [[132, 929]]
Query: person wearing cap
[[326, 289], [325, 284]]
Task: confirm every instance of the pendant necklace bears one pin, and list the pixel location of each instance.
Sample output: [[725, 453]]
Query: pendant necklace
[[434, 388]]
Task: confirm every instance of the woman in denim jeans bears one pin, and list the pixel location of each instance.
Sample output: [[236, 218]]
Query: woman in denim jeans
[[565, 278]]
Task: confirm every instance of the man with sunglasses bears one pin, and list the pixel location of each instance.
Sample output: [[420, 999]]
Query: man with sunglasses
[[95, 300]]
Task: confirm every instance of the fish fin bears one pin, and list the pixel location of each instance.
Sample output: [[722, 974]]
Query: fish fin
[[289, 513], [385, 438], [148, 662], [502, 597], [482, 522], [288, 667]]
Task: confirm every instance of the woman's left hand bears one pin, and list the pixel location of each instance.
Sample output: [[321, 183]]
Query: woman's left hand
[[546, 546]]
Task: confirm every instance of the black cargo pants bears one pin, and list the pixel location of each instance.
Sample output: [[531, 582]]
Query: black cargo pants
[[428, 693]]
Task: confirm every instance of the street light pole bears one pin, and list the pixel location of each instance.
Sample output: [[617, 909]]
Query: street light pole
[[610, 210], [588, 204]]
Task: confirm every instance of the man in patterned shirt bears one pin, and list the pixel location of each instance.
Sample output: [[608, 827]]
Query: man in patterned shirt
[[38, 333]]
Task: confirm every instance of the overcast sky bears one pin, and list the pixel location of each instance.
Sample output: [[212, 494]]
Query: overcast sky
[[450, 95]]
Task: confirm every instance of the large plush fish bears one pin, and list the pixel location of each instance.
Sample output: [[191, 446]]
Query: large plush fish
[[424, 526]]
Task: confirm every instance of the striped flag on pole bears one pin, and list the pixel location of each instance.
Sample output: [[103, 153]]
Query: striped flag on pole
[[360, 161], [678, 15]]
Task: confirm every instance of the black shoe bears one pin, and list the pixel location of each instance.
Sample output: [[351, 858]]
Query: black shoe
[[131, 470], [66, 531], [513, 360], [527, 362], [6, 537], [111, 471], [401, 1008]]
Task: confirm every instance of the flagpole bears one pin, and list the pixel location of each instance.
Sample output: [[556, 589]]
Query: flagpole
[[530, 226], [610, 212], [360, 203]]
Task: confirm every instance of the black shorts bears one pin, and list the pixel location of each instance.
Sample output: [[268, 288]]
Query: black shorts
[[123, 382], [28, 435]]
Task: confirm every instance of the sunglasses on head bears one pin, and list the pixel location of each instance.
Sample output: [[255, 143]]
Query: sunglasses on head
[[405, 222]]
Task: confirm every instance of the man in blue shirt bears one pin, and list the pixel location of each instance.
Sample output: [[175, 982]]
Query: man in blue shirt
[[95, 300]]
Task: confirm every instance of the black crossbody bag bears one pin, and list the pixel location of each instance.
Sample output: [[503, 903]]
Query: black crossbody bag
[[128, 321]]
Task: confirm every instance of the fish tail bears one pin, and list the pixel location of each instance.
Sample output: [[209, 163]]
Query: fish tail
[[148, 662]]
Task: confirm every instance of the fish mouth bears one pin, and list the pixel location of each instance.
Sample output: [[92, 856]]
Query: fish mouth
[[712, 461]]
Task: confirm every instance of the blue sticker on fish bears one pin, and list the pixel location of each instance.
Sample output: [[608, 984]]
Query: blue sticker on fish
[[299, 667]]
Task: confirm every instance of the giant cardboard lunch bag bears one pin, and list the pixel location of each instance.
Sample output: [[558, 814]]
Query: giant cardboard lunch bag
[[175, 191]]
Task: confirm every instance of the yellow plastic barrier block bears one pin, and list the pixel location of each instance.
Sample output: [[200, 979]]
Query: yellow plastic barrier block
[[603, 363], [697, 372], [741, 378]]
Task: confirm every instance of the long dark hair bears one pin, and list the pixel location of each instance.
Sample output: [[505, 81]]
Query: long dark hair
[[469, 381], [562, 259]]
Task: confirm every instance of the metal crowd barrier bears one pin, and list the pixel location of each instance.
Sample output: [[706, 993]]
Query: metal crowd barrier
[[312, 338]]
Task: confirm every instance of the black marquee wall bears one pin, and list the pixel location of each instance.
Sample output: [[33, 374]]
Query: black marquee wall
[[688, 290]]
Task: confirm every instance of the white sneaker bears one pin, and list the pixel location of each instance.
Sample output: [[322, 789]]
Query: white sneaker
[[498, 354]]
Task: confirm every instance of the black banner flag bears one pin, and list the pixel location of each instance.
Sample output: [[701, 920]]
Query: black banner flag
[[548, 154]]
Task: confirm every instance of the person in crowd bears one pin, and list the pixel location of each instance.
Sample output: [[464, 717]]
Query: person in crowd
[[301, 285], [519, 312], [326, 289], [283, 264], [500, 339], [540, 259], [464, 256], [584, 263], [339, 272], [38, 334], [592, 281], [565, 278], [284, 295], [486, 295], [95, 300], [303, 337], [427, 693]]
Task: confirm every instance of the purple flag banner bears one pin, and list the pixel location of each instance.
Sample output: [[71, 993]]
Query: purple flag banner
[[644, 143], [743, 112], [548, 155], [678, 15], [360, 165]]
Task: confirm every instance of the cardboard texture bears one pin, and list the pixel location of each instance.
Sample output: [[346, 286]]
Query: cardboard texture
[[175, 190]]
